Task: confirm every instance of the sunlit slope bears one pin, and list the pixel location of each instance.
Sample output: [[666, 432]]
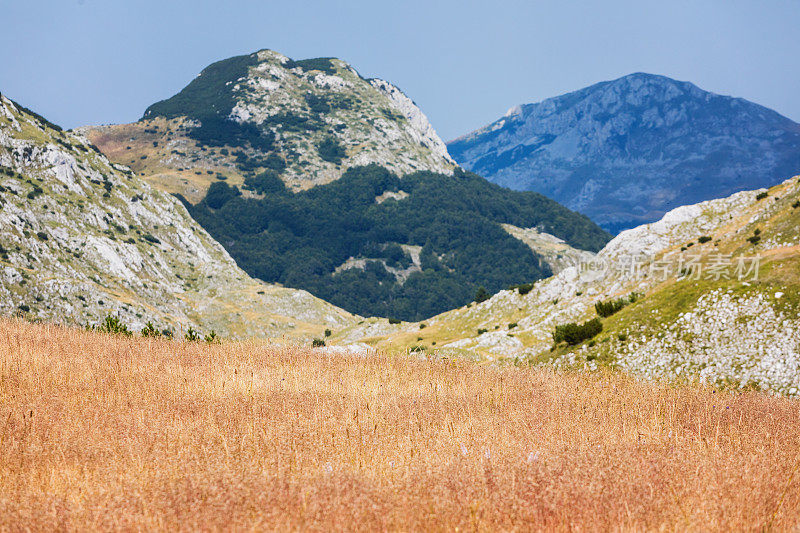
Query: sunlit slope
[[83, 238], [701, 311], [308, 120]]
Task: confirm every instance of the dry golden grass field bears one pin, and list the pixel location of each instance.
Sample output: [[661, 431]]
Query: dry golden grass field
[[111, 433]]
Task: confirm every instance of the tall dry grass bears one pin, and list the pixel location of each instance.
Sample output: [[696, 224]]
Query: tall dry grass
[[102, 432]]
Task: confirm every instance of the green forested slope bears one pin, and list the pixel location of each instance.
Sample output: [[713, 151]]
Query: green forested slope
[[299, 239]]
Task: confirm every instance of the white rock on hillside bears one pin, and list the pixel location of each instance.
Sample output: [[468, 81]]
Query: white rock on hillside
[[81, 239]]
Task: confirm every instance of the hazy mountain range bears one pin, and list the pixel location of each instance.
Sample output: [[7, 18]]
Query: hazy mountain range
[[626, 151]]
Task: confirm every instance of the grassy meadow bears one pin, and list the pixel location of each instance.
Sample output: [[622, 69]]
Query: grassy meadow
[[101, 432]]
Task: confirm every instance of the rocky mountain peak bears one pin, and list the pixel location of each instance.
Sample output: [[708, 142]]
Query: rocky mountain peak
[[626, 151], [306, 120]]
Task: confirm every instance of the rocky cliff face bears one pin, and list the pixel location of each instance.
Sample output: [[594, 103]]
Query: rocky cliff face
[[308, 121], [82, 238], [625, 152]]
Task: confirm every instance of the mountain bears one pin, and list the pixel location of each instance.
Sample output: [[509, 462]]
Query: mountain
[[709, 293], [377, 244], [318, 179], [626, 151], [82, 238], [307, 121]]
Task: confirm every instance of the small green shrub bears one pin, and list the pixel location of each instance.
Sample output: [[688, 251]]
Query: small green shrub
[[331, 150], [512, 325], [573, 333], [323, 64], [394, 321], [112, 324], [317, 104], [481, 331], [328, 333], [212, 338], [149, 330], [317, 343], [192, 335], [606, 309], [524, 289], [761, 195], [275, 162], [704, 239], [481, 295]]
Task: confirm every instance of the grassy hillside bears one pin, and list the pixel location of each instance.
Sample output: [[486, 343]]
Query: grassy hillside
[[377, 244], [82, 238], [685, 324], [187, 436]]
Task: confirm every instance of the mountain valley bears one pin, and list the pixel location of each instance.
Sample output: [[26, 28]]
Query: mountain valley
[[316, 178], [86, 238]]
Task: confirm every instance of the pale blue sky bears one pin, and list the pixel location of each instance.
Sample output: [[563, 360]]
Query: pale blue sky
[[464, 62]]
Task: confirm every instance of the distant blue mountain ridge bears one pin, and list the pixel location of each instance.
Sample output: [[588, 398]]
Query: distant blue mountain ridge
[[626, 151]]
